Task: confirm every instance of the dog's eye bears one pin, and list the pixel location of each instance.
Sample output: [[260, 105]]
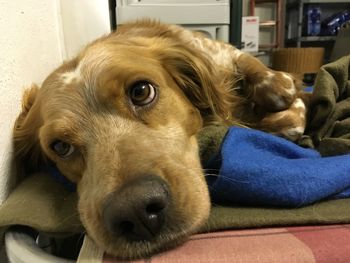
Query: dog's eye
[[142, 93], [62, 149]]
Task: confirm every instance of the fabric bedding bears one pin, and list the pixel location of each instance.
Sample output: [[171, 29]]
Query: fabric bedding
[[290, 244], [328, 125], [257, 168], [44, 204]]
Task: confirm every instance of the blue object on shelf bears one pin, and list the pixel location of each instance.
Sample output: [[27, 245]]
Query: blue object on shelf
[[332, 24], [313, 21], [309, 89]]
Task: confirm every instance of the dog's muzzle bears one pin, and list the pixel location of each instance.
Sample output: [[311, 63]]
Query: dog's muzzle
[[137, 211]]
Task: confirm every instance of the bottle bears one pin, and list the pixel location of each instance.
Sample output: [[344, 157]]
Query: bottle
[[314, 21]]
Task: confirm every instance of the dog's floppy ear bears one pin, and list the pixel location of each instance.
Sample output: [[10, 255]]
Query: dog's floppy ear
[[198, 78], [26, 144]]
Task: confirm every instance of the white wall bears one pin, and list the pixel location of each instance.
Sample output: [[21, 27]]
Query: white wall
[[35, 37], [83, 23], [30, 47]]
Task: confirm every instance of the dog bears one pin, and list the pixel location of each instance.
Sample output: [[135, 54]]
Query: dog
[[120, 121]]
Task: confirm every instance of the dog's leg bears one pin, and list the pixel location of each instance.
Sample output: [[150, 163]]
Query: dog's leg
[[277, 94], [273, 93], [274, 96], [272, 90]]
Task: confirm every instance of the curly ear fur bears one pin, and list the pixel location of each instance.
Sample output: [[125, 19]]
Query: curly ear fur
[[197, 77], [27, 151]]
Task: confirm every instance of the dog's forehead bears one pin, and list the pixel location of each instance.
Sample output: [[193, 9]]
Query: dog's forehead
[[71, 76], [107, 57], [90, 64], [101, 74]]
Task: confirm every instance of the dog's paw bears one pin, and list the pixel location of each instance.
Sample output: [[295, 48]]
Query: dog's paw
[[289, 123], [274, 90]]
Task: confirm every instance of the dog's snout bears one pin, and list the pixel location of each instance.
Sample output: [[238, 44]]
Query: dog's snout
[[138, 210]]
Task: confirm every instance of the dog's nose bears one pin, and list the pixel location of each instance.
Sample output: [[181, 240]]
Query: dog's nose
[[138, 210]]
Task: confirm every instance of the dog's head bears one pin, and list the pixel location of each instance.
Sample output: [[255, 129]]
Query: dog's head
[[120, 121]]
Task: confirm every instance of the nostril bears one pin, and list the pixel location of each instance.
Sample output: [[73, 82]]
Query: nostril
[[155, 208], [126, 227]]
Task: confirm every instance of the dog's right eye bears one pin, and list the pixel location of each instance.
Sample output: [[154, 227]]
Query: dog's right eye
[[142, 93], [62, 149]]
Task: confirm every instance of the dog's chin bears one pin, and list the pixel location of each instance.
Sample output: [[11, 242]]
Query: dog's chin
[[126, 249]]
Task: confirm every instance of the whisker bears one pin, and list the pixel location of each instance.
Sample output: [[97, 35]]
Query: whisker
[[211, 169]]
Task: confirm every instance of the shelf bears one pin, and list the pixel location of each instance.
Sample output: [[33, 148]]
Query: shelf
[[264, 47], [268, 23], [314, 38], [324, 1], [318, 38], [272, 25], [264, 1], [317, 2], [295, 3]]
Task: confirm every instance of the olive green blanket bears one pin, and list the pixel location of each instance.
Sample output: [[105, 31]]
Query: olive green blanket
[[45, 205], [328, 126]]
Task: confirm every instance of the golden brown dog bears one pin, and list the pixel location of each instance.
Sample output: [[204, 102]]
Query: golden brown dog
[[120, 120]]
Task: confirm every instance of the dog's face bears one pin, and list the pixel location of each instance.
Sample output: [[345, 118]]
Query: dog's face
[[120, 121]]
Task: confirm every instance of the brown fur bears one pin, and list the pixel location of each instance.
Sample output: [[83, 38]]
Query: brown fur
[[84, 103]]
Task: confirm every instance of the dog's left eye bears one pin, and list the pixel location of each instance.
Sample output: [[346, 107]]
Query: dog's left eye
[[142, 93], [62, 149]]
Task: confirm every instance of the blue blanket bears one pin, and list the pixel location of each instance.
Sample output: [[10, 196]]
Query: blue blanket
[[257, 168]]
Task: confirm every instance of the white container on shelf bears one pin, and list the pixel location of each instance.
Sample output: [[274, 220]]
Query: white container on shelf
[[209, 16]]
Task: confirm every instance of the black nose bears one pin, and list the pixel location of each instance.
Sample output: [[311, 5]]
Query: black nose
[[138, 210]]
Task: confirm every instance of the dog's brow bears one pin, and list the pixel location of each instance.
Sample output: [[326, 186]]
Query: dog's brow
[[89, 67], [94, 63]]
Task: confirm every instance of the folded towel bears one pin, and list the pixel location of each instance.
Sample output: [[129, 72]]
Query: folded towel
[[257, 168]]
